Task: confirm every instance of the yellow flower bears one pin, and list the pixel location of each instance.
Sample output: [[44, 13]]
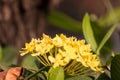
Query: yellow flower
[[57, 61], [68, 52], [82, 60], [29, 47], [93, 62], [57, 41], [42, 49]]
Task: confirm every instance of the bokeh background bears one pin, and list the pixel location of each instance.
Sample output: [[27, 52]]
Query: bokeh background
[[22, 20]]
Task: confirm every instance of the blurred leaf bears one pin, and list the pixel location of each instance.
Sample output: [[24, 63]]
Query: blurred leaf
[[60, 20], [115, 68], [105, 39], [103, 76], [99, 33], [56, 74], [110, 18], [79, 78], [0, 53], [88, 32], [30, 75], [38, 64], [9, 56], [25, 73], [109, 60], [42, 75], [29, 61]]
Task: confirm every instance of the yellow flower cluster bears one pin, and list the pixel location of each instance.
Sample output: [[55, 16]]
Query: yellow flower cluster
[[62, 51]]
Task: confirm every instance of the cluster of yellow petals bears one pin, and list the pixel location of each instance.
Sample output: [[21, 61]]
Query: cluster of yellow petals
[[60, 50]]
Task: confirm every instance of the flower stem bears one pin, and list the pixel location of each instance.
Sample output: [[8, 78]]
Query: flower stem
[[32, 75]]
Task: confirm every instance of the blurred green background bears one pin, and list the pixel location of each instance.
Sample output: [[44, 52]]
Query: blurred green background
[[22, 20]]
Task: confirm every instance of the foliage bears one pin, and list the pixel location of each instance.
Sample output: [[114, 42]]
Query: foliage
[[88, 33], [97, 47], [115, 68], [0, 53], [8, 57], [56, 73], [35, 69], [63, 21], [79, 78]]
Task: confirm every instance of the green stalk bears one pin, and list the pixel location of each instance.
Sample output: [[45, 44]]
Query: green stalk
[[32, 75]]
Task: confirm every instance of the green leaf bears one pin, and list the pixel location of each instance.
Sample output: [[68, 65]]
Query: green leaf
[[38, 64], [79, 78], [60, 20], [110, 18], [105, 39], [109, 60], [9, 56], [0, 53], [42, 75], [26, 73], [115, 68], [99, 33], [88, 32], [29, 62], [103, 76], [29, 75], [56, 74]]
